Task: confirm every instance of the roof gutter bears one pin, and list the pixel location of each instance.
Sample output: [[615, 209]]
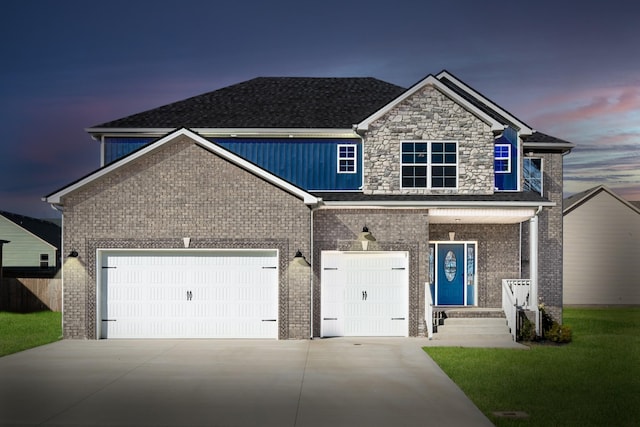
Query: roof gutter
[[565, 146], [98, 132]]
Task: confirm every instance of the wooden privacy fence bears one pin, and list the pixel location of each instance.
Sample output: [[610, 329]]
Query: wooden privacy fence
[[28, 294]]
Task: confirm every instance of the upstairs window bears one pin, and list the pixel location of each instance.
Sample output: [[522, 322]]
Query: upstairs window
[[532, 175], [44, 260], [427, 164], [502, 158], [346, 158]]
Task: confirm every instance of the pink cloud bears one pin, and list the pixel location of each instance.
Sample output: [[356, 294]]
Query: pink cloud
[[583, 106]]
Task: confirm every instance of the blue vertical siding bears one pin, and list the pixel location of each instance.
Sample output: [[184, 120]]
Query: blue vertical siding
[[509, 181], [116, 148], [311, 164]]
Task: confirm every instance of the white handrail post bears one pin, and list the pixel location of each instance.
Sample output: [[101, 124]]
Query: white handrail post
[[428, 310], [509, 307]]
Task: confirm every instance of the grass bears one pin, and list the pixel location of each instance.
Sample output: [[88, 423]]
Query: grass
[[20, 332], [593, 381]]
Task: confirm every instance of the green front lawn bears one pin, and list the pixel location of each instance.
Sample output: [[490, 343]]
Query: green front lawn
[[593, 381], [23, 331]]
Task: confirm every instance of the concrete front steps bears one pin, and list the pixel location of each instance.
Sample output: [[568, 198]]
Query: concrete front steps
[[472, 325]]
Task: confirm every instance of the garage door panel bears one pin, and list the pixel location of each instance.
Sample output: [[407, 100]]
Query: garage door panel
[[208, 294], [364, 294]]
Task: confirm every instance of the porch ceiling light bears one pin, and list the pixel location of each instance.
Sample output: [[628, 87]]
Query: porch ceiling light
[[365, 237], [299, 259]]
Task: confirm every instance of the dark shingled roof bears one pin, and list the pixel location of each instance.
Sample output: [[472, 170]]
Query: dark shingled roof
[[524, 196], [46, 230], [542, 137], [272, 102]]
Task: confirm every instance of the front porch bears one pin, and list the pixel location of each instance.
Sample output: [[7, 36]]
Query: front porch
[[477, 325]]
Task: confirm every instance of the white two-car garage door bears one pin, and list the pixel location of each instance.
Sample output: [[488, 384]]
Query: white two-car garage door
[[364, 294], [188, 294]]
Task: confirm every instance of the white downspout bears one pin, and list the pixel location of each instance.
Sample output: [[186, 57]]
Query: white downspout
[[533, 266], [311, 275]]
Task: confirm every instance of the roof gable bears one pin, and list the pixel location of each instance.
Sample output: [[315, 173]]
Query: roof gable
[[572, 202], [483, 103], [270, 102], [45, 231], [56, 197], [430, 80]]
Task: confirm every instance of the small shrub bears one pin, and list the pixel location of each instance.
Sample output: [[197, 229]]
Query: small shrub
[[527, 331], [546, 320], [559, 333]]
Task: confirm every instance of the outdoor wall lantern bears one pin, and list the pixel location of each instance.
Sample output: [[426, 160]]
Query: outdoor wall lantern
[[73, 254], [452, 235], [365, 237], [300, 259]]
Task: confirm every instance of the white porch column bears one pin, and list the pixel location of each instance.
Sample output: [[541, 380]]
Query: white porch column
[[533, 268]]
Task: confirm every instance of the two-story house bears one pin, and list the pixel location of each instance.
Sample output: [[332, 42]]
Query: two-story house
[[310, 207]]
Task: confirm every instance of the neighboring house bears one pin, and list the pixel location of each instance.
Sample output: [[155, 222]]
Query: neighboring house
[[202, 217], [30, 262], [33, 243], [601, 249]]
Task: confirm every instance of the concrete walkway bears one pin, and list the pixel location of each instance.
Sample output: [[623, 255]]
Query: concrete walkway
[[324, 382]]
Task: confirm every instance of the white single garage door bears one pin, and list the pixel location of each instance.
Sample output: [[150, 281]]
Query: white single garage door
[[188, 294], [364, 294]]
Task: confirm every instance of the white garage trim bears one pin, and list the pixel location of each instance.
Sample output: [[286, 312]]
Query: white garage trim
[[364, 294], [187, 293]]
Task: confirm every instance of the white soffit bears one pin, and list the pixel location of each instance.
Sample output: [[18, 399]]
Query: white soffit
[[480, 216]]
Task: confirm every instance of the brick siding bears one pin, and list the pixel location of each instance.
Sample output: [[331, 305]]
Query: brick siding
[[394, 230], [182, 190]]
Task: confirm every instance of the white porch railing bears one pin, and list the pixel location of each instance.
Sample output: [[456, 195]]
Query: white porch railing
[[428, 310], [515, 295]]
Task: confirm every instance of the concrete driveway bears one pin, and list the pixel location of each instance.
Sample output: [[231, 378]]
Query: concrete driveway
[[324, 382]]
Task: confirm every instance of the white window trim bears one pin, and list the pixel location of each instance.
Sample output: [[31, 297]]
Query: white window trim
[[508, 158], [354, 158], [429, 143], [541, 172]]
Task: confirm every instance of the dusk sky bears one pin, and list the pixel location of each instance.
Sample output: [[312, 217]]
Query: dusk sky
[[570, 69]]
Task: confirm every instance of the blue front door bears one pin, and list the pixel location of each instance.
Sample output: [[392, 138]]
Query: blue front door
[[450, 278]]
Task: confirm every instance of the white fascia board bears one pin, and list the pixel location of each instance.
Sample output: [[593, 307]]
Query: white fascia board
[[431, 81], [308, 199], [433, 204], [232, 132], [524, 129]]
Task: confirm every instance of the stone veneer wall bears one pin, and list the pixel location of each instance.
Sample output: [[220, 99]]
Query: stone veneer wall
[[428, 115], [182, 190], [394, 230], [498, 255]]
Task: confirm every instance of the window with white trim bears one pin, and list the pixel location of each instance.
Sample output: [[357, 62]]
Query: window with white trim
[[347, 158], [502, 158], [429, 164], [532, 174]]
